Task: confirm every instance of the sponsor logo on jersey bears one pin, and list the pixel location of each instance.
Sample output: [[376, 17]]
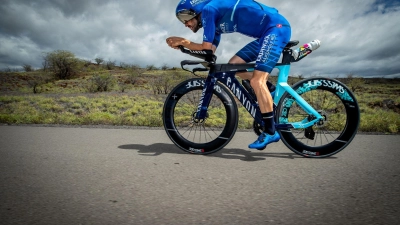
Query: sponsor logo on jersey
[[266, 48], [224, 27], [196, 2]]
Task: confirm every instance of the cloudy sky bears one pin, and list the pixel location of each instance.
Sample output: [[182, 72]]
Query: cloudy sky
[[359, 37]]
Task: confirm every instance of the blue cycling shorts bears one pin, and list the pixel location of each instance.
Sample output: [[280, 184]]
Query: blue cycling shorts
[[267, 50]]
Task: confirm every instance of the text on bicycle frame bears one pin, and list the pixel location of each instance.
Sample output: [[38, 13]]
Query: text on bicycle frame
[[232, 86], [239, 95]]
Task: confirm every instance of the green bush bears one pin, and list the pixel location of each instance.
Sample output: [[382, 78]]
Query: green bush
[[62, 63], [101, 83]]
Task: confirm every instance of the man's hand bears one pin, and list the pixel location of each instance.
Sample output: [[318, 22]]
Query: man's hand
[[175, 42]]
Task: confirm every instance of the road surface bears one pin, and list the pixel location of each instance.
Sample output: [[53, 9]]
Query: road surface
[[67, 175]]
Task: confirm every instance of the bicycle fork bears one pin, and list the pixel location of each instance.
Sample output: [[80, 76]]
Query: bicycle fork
[[205, 99]]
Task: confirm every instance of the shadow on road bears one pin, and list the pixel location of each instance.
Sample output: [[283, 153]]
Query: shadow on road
[[244, 155]]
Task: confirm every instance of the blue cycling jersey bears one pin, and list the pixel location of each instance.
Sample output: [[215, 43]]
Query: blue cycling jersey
[[247, 17], [271, 30]]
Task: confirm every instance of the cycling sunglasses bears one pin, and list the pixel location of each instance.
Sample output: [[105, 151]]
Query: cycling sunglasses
[[185, 15]]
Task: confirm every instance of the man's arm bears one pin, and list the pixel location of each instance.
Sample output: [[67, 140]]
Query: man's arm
[[175, 42]]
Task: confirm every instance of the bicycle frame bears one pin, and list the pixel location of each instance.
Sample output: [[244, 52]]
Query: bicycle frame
[[225, 73], [320, 128]]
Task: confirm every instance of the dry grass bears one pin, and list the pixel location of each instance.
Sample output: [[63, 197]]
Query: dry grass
[[70, 102]]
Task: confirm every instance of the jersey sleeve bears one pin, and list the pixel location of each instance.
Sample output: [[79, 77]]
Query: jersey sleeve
[[208, 18], [217, 39]]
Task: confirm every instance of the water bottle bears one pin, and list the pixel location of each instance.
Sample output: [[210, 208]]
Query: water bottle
[[306, 49]]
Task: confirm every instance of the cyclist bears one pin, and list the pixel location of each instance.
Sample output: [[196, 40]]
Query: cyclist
[[271, 30]]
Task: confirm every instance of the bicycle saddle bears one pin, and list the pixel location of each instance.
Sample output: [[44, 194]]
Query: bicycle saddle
[[292, 44]]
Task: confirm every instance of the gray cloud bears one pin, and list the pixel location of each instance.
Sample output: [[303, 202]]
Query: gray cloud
[[358, 37]]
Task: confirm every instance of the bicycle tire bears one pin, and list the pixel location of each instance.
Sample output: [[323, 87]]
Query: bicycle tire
[[194, 136], [335, 102]]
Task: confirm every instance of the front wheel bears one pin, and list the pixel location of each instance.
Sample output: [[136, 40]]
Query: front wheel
[[199, 136], [339, 108]]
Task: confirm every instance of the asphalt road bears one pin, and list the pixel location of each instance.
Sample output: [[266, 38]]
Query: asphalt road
[[56, 175]]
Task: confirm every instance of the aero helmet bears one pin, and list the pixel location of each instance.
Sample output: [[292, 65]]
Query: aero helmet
[[189, 9]]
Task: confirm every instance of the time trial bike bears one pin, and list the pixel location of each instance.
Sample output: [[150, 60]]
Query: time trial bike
[[316, 117]]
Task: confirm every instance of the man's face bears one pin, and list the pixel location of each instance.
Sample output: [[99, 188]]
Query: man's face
[[192, 24]]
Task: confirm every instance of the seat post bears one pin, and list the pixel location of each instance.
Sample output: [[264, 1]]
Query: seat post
[[286, 56]]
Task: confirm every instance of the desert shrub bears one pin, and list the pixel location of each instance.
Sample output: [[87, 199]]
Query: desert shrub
[[86, 63], [62, 63], [151, 67], [35, 84], [101, 83], [37, 81], [161, 84], [164, 83], [110, 65], [99, 60], [134, 76], [27, 68], [165, 67], [356, 84]]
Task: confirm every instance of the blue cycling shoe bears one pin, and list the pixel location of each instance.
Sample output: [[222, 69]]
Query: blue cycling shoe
[[264, 139]]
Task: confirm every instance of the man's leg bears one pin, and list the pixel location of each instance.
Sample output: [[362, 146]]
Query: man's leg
[[244, 75], [260, 89], [265, 103], [270, 49], [258, 79]]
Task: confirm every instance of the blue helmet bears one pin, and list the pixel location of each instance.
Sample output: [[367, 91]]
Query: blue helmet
[[189, 9]]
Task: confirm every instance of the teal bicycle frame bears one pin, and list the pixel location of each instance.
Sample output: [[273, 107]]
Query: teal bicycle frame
[[283, 86], [225, 73]]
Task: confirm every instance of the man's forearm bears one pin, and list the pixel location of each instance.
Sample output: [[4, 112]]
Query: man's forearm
[[195, 46]]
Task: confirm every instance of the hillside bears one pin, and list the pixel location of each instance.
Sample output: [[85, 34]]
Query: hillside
[[134, 97]]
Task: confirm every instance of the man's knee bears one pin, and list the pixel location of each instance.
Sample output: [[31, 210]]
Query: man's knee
[[257, 82], [259, 79]]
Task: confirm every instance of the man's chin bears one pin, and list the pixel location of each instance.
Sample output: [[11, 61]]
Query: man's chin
[[195, 29]]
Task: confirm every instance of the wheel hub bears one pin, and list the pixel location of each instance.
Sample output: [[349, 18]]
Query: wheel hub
[[309, 132], [198, 121], [322, 121]]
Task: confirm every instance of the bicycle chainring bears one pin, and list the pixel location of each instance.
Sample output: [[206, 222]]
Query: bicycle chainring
[[257, 128]]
